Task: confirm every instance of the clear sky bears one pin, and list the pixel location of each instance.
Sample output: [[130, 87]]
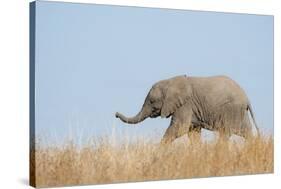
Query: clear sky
[[94, 60]]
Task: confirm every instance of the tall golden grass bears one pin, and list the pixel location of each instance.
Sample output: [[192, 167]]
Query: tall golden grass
[[102, 162]]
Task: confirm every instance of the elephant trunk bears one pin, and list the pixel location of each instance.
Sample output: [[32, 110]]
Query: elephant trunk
[[133, 120]]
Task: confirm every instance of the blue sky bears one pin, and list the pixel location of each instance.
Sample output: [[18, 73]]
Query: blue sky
[[94, 60]]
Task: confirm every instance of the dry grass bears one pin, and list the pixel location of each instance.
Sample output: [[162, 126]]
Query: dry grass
[[102, 162]]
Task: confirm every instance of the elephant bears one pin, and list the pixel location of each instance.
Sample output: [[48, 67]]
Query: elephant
[[215, 103]]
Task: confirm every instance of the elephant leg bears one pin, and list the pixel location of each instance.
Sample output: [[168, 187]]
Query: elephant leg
[[171, 134], [224, 134], [179, 126], [230, 120], [246, 128], [194, 133], [174, 131]]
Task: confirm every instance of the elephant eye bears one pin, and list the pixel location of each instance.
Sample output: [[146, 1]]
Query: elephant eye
[[151, 100]]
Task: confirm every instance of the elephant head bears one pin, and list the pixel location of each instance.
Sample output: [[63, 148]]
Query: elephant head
[[163, 99]]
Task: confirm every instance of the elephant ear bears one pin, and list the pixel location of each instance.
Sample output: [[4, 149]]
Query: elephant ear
[[176, 93]]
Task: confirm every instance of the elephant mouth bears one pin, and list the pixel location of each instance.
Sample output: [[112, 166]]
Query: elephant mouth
[[168, 116], [155, 114]]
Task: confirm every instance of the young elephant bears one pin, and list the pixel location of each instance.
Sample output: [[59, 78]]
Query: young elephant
[[214, 103]]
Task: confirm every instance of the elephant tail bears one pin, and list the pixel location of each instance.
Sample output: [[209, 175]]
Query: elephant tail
[[249, 107]]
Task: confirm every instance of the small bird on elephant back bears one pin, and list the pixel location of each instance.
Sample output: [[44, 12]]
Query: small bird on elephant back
[[214, 103]]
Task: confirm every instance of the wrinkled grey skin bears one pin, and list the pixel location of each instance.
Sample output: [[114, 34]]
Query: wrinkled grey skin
[[214, 103]]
